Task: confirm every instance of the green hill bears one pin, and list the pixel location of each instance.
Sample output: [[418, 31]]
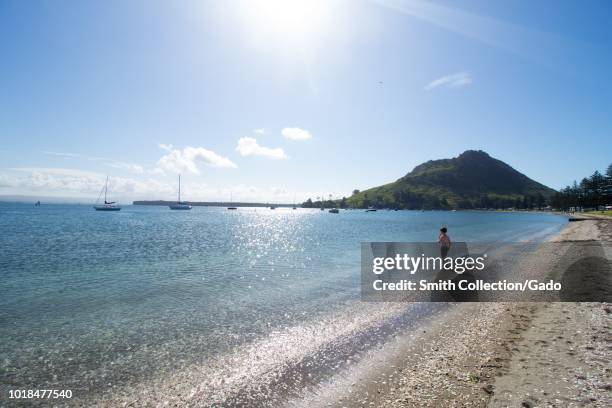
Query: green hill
[[472, 180]]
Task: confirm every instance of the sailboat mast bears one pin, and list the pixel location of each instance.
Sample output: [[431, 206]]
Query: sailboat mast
[[105, 189], [179, 200]]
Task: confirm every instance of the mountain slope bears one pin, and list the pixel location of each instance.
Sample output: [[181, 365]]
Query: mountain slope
[[472, 180]]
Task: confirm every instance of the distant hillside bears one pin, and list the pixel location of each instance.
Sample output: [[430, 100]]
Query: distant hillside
[[472, 180]]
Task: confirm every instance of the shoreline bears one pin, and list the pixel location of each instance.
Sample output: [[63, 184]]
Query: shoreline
[[503, 354], [465, 355], [457, 358]]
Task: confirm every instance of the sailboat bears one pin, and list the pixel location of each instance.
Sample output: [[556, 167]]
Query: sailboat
[[231, 202], [108, 205], [179, 205], [333, 210]]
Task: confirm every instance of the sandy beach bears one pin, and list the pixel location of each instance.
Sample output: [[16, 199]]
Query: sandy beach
[[505, 354]]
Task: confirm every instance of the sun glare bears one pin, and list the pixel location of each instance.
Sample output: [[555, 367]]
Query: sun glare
[[288, 17]]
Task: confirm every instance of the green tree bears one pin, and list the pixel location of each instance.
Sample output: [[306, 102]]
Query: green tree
[[597, 189], [540, 201], [607, 192], [366, 201]]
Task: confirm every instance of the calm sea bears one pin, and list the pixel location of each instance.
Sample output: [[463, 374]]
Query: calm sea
[[103, 302]]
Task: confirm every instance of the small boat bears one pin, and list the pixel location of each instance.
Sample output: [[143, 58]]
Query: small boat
[[108, 205], [179, 204], [333, 210], [371, 209], [37, 204], [273, 207], [322, 203]]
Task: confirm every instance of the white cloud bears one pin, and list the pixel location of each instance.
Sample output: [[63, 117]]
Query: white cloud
[[188, 159], [7, 181], [78, 183], [175, 162], [156, 171], [131, 167], [247, 146], [457, 80], [296, 134], [63, 154], [247, 193], [85, 186], [260, 131], [56, 171], [55, 180]]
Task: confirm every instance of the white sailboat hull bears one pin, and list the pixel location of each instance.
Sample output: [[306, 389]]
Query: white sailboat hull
[[179, 207], [107, 207]]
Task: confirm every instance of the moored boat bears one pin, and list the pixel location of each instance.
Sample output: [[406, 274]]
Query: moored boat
[[179, 205], [108, 205], [231, 207]]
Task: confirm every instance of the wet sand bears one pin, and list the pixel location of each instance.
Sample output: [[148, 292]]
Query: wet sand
[[505, 354]]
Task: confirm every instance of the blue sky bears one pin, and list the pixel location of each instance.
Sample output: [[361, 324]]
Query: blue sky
[[267, 100]]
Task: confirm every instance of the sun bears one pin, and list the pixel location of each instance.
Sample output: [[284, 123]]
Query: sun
[[288, 17]]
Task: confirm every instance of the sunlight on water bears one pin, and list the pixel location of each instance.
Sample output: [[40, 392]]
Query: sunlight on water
[[106, 302]]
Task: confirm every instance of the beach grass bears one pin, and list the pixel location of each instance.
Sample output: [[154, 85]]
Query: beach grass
[[606, 213]]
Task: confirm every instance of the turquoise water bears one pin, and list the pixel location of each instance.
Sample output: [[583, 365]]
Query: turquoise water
[[94, 301]]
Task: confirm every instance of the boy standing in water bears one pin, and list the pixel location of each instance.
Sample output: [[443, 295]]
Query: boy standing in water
[[444, 242]]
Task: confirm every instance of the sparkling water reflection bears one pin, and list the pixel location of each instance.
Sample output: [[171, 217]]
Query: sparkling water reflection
[[96, 301]]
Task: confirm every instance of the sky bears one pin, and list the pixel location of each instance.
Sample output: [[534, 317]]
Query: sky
[[276, 101]]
